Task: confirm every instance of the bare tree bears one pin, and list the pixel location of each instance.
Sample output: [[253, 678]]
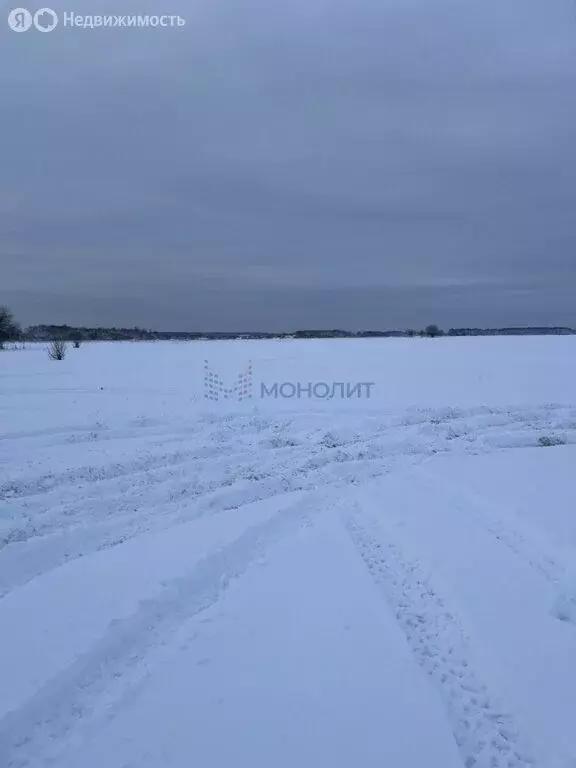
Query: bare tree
[[76, 339], [57, 349], [433, 331], [9, 328]]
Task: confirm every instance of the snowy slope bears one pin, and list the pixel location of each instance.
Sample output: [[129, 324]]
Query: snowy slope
[[383, 582]]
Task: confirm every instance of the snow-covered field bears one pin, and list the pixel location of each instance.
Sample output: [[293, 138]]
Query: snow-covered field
[[383, 582]]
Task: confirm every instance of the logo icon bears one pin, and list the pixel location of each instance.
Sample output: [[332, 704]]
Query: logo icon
[[19, 20], [45, 20], [240, 390]]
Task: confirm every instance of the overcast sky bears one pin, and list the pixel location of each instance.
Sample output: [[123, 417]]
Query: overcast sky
[[275, 165]]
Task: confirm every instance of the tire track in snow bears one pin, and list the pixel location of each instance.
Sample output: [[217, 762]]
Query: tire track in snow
[[485, 735], [416, 430], [117, 517], [531, 545], [106, 504], [30, 735], [94, 474]]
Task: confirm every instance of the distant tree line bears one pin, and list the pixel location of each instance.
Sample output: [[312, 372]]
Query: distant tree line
[[10, 331], [75, 334], [68, 333]]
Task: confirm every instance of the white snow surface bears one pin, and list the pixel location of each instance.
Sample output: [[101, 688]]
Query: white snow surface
[[383, 582]]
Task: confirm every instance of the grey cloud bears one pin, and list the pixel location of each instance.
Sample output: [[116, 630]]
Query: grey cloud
[[313, 160]]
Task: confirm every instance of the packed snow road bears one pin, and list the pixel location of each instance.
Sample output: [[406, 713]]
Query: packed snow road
[[381, 583]]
